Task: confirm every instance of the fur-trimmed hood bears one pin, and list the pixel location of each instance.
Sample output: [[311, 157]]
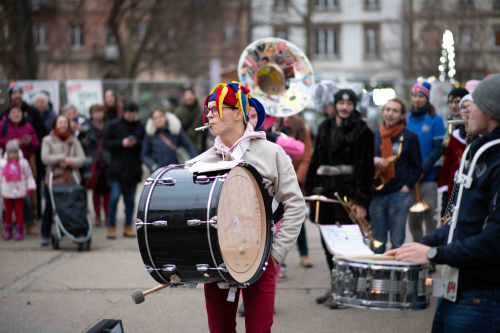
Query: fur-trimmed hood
[[173, 123]]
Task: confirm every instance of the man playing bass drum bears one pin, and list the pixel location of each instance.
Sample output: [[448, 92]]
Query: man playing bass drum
[[475, 246], [227, 109], [343, 141]]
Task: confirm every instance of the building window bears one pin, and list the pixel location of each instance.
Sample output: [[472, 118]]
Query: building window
[[280, 5], [140, 33], [432, 3], [281, 32], [372, 41], [40, 36], [326, 42], [496, 38], [109, 35], [326, 4], [466, 3], [76, 36], [496, 4], [432, 40], [372, 4], [466, 38]]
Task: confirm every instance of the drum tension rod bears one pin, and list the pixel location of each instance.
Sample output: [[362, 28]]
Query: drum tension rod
[[205, 267], [166, 268], [196, 222], [159, 223]]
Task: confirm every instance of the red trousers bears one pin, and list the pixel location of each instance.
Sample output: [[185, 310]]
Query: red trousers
[[258, 299], [97, 203], [17, 206]]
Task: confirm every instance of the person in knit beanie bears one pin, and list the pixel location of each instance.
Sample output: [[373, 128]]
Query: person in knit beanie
[[473, 247], [429, 127], [487, 96], [16, 181]]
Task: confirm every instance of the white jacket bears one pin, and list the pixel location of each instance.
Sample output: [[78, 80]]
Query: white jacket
[[17, 189]]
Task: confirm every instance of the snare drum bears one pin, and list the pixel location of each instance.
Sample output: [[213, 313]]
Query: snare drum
[[381, 284], [201, 228]]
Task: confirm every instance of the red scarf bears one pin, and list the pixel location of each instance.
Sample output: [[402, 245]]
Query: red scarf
[[62, 135], [386, 148]]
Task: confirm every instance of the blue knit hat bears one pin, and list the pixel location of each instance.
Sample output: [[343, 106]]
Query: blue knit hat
[[423, 87], [13, 87]]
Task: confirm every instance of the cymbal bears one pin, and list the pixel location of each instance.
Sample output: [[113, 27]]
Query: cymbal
[[321, 198]]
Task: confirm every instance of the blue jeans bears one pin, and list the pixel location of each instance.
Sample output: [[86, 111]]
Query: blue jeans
[[128, 192], [474, 311], [388, 213]]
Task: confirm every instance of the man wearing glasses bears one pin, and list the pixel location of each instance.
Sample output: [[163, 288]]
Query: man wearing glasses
[[227, 111]]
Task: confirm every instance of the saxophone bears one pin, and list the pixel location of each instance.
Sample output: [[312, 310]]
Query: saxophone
[[378, 181]]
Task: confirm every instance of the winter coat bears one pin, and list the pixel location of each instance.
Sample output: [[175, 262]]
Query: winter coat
[[408, 167], [191, 117], [275, 167], [451, 163], [55, 150], [354, 146], [17, 132], [302, 164], [48, 117], [475, 248], [19, 188], [125, 164], [155, 152], [90, 137], [33, 117]]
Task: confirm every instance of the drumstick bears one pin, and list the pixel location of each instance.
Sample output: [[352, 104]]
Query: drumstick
[[138, 295], [371, 257], [202, 128]]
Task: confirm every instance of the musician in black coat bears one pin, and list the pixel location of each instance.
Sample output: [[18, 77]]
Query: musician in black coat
[[344, 140]]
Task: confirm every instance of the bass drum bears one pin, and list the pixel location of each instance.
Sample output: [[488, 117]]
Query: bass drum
[[202, 228]]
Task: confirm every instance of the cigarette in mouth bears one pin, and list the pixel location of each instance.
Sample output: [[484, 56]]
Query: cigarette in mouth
[[202, 128]]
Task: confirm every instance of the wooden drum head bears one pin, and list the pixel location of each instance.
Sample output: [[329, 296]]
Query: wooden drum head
[[241, 224]]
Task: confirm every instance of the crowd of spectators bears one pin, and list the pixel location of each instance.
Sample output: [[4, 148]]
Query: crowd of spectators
[[107, 152]]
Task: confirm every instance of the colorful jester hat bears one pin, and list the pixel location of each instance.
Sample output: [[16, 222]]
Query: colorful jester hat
[[238, 96]]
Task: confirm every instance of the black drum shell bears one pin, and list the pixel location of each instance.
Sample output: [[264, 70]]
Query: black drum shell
[[179, 244]]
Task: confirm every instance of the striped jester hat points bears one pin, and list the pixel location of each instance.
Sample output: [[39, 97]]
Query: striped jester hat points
[[239, 96]]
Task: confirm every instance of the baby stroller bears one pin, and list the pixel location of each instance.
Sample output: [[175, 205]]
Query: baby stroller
[[69, 204]]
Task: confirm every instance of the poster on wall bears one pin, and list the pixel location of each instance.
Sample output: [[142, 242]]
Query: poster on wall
[[83, 94], [32, 88]]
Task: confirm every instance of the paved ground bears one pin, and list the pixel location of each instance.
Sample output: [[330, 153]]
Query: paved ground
[[42, 290]]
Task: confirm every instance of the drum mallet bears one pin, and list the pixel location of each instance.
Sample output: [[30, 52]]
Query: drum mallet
[[138, 295]]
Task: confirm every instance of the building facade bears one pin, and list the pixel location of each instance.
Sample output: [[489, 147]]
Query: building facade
[[145, 39], [355, 40]]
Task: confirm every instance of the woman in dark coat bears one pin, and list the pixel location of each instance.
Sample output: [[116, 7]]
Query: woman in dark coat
[[91, 139], [164, 136]]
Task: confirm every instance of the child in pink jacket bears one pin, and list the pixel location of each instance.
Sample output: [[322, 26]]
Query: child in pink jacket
[[16, 182]]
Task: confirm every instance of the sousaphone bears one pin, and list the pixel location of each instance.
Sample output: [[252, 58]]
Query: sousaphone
[[278, 74]]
